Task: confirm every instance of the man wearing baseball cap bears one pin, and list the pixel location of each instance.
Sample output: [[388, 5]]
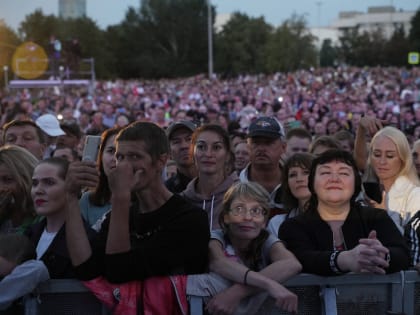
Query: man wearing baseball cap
[[179, 135], [266, 140], [50, 125]]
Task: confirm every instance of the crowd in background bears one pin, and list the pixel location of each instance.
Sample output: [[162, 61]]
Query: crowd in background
[[321, 100], [291, 151]]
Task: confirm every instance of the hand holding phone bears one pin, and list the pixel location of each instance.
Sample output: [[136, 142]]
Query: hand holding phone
[[91, 148]]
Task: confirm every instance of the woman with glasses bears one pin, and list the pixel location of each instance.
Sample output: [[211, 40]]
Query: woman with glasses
[[247, 263], [335, 234], [210, 150]]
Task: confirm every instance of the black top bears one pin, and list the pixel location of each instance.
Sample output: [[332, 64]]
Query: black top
[[171, 240], [177, 183], [56, 258], [311, 239]]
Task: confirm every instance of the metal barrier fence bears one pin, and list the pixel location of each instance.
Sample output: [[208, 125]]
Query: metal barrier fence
[[350, 294]]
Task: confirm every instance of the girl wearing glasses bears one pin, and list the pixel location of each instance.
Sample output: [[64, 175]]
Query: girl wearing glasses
[[247, 263]]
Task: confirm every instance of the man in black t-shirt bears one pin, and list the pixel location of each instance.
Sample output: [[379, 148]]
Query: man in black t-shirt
[[149, 231]]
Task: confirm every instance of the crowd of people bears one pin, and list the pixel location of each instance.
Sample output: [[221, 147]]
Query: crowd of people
[[218, 188]]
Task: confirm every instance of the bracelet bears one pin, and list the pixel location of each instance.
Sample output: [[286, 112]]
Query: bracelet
[[333, 262], [246, 276]]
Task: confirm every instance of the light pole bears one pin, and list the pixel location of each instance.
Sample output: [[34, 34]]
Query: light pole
[[319, 4], [6, 77], [210, 38]]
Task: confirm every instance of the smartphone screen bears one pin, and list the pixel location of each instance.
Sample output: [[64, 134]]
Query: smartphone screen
[[91, 148], [373, 190]]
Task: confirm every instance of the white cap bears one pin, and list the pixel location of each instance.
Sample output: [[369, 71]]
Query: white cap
[[50, 125]]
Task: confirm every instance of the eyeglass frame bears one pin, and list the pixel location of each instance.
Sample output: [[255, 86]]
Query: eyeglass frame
[[241, 211]]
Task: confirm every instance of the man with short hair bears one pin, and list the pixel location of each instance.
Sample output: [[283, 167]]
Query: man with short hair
[[150, 231], [25, 134], [298, 140], [267, 144], [179, 136]]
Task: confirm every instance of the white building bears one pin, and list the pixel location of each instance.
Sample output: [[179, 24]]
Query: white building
[[383, 17], [71, 9]]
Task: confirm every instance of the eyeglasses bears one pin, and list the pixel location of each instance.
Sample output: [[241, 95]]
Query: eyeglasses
[[256, 212]]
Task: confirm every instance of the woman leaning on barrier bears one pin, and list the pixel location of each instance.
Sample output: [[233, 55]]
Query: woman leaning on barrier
[[336, 235]]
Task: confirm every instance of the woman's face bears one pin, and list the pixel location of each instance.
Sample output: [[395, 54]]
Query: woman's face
[[334, 183], [241, 155], [210, 153], [297, 179], [8, 181], [48, 189], [244, 225], [386, 162], [108, 156]]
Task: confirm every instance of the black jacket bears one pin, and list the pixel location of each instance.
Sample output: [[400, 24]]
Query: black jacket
[[311, 239]]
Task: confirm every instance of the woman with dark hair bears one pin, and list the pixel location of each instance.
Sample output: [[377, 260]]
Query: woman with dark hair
[[95, 203], [335, 234], [295, 191], [48, 235], [210, 150], [244, 258]]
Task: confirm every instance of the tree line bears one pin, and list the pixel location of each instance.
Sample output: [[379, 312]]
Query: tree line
[[168, 38]]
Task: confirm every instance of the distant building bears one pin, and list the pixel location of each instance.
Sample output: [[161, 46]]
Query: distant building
[[71, 9], [383, 17]]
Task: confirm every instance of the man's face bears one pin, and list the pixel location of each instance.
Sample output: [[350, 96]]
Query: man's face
[[297, 145], [265, 151], [180, 146], [25, 137], [136, 155]]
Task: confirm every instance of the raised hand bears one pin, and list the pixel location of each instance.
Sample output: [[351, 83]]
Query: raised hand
[[81, 174]]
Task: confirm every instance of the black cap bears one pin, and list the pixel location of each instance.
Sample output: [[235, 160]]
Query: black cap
[[268, 127], [178, 125]]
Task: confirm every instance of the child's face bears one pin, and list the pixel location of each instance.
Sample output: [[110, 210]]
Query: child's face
[[6, 267]]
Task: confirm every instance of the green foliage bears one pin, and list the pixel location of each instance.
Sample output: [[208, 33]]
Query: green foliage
[[9, 41], [240, 46], [414, 36], [328, 54], [291, 47]]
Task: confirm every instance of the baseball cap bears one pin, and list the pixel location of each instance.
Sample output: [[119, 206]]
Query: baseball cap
[[178, 125], [50, 125], [268, 127]]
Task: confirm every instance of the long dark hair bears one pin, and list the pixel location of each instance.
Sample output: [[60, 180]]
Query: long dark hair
[[326, 157], [252, 190], [302, 160], [102, 194]]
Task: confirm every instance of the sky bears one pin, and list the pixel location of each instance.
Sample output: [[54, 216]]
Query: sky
[[109, 12]]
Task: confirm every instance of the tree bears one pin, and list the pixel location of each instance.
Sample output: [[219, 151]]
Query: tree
[[328, 54], [240, 46], [39, 28], [9, 41], [397, 47], [414, 35], [291, 47], [362, 49]]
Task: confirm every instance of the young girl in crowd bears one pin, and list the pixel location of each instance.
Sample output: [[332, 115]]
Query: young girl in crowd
[[244, 258]]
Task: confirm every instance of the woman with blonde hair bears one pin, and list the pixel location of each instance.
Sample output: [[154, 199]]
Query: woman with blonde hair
[[16, 205], [391, 160]]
